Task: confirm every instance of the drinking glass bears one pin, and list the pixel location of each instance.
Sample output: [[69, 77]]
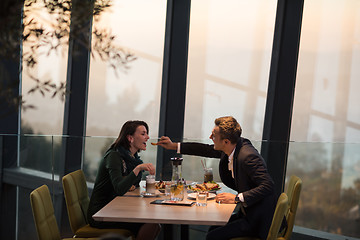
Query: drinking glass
[[167, 188], [208, 175], [177, 191], [150, 184], [201, 198]]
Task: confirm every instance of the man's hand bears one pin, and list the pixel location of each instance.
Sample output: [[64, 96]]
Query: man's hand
[[225, 198], [132, 188], [166, 143]]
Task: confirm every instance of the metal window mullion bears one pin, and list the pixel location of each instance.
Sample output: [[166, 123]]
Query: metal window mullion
[[173, 91], [281, 88]]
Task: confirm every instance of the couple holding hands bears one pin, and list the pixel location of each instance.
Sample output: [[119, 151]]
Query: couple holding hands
[[241, 168]]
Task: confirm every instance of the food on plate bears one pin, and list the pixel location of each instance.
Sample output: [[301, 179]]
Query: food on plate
[[208, 186], [160, 185]]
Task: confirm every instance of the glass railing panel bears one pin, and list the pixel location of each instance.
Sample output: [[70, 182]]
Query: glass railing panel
[[95, 148], [330, 172], [330, 195], [39, 153]]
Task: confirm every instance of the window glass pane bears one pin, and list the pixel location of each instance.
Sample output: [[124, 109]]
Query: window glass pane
[[41, 153], [51, 58], [118, 96], [326, 117], [229, 59], [95, 148], [329, 199]]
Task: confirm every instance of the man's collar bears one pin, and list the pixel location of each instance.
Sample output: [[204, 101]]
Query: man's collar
[[231, 157]]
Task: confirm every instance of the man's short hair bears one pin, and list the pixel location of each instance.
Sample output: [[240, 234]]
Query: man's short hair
[[229, 128]]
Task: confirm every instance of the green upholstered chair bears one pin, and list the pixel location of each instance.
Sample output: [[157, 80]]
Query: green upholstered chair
[[280, 210], [293, 192], [77, 203], [43, 212]]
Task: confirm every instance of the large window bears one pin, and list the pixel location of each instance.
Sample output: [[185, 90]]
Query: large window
[[118, 95], [326, 116], [50, 55], [229, 59], [228, 70], [40, 55]]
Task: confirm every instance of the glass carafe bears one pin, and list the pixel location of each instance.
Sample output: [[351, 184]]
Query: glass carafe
[[178, 185], [176, 169]]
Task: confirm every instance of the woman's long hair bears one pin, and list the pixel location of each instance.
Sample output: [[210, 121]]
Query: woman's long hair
[[128, 128]]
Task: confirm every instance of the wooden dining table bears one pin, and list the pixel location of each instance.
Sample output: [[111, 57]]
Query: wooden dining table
[[133, 207]]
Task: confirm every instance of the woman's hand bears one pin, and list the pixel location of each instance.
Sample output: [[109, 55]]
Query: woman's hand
[[225, 198], [146, 167], [166, 143]]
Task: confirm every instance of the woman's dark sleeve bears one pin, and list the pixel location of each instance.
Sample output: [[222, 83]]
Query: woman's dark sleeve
[[114, 165]]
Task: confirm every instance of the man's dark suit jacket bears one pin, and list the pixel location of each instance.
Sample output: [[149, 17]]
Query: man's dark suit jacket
[[250, 178]]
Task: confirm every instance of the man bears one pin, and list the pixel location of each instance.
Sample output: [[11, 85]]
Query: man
[[241, 168]]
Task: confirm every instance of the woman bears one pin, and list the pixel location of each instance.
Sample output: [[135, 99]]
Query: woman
[[120, 171]]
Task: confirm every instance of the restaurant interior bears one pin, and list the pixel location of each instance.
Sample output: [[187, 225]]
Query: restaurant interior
[[71, 75]]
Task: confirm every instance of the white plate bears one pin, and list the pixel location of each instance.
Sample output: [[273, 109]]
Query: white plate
[[145, 194], [193, 195]]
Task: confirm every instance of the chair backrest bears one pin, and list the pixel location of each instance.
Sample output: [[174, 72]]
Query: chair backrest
[[77, 199], [278, 217], [293, 192], [43, 212]]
